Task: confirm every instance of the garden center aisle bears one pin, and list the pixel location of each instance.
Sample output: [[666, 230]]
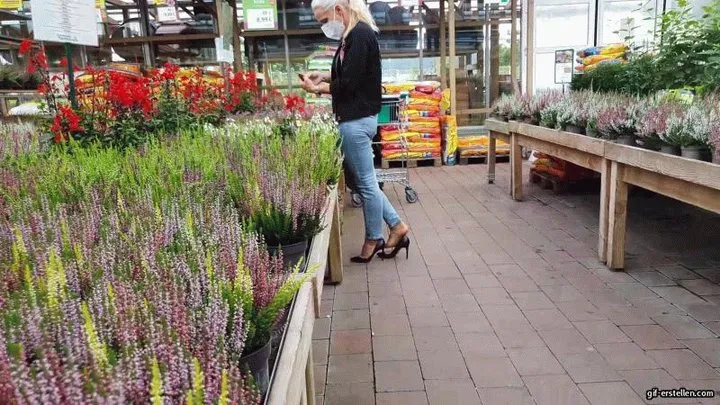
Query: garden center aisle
[[506, 303]]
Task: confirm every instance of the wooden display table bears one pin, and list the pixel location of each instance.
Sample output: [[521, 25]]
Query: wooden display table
[[293, 382], [690, 181]]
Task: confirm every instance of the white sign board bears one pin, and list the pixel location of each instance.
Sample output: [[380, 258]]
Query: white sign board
[[71, 21], [166, 14], [564, 66]]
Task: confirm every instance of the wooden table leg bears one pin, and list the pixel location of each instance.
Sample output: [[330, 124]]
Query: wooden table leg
[[335, 248], [310, 379], [604, 207], [492, 157], [617, 218], [516, 167]]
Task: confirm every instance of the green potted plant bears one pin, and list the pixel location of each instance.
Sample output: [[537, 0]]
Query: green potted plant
[[540, 102], [694, 138], [652, 125], [549, 115], [262, 294], [503, 107]]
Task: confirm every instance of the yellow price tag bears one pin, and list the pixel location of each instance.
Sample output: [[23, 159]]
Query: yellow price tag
[[10, 4]]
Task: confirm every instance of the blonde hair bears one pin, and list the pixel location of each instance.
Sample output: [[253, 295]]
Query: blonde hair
[[359, 12]]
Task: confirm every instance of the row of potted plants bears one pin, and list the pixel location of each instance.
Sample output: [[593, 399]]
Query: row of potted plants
[[674, 123], [126, 109], [144, 275]]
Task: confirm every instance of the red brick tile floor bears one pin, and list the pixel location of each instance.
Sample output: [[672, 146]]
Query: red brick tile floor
[[505, 302]]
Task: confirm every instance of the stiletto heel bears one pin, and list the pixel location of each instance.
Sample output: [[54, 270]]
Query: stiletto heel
[[404, 244], [379, 246]]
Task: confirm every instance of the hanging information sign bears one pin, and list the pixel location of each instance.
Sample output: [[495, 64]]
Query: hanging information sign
[[68, 21]]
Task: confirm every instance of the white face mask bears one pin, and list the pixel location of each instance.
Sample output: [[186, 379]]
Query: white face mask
[[333, 29]]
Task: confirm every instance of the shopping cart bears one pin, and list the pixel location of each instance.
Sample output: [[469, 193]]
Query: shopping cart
[[391, 115]]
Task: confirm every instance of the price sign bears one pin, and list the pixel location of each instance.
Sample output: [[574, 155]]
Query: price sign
[[10, 4], [165, 14], [260, 15]]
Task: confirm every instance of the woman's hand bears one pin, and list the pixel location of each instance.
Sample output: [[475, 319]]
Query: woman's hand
[[318, 77], [308, 84]]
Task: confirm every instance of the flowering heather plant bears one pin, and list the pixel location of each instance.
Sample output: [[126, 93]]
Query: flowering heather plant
[[653, 125], [521, 107], [541, 101], [616, 121], [19, 140], [503, 106], [549, 115], [135, 303]]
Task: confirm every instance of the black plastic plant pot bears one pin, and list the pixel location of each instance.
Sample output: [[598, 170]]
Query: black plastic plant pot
[[575, 129], [670, 150], [257, 364], [291, 253]]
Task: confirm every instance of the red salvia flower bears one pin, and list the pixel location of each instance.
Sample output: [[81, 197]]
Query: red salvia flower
[[25, 47]]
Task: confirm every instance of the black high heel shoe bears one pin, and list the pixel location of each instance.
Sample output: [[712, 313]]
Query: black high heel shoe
[[379, 246], [403, 244]]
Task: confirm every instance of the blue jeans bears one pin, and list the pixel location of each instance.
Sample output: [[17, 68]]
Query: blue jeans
[[356, 137]]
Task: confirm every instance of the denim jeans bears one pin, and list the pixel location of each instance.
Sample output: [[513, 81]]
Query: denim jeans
[[356, 137]]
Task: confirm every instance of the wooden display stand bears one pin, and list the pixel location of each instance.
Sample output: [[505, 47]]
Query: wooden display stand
[[690, 181], [293, 382]]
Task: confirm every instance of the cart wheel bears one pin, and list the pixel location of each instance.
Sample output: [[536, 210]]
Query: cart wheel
[[410, 195], [356, 200]]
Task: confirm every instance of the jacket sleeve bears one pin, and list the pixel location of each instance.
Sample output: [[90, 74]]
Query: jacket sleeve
[[354, 64]]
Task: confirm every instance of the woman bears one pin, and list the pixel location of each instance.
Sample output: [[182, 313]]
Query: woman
[[354, 84]]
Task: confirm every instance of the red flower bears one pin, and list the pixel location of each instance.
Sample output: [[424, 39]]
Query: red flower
[[65, 122], [25, 47]]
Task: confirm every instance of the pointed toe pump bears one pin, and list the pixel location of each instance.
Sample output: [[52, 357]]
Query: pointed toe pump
[[403, 244], [379, 246]]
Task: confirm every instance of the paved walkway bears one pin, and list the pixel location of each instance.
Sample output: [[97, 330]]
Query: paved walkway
[[506, 303]]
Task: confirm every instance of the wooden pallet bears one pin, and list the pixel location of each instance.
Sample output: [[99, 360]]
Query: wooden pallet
[[548, 181], [411, 163], [466, 160]]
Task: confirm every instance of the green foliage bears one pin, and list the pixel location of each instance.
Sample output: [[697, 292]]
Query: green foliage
[[687, 55]]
